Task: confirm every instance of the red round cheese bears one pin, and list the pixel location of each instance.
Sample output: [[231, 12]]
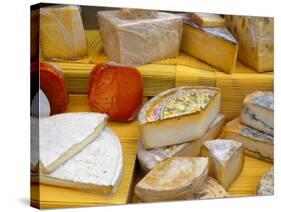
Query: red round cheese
[[116, 91]]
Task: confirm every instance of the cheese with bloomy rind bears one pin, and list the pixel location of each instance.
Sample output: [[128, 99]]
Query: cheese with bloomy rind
[[258, 112], [62, 33], [148, 159], [97, 168], [256, 144], [266, 184], [142, 40], [226, 160], [208, 19], [256, 40], [213, 45], [64, 135], [178, 115], [173, 179], [129, 13]]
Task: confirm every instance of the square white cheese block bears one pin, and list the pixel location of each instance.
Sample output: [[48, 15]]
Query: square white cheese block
[[258, 111], [149, 158], [141, 40], [226, 160], [256, 144], [178, 115], [266, 184], [97, 168]]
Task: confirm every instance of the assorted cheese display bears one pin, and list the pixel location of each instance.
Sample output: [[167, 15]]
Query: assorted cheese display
[[266, 184]]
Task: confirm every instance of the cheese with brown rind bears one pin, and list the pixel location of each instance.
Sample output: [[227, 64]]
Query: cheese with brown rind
[[266, 184], [208, 20]]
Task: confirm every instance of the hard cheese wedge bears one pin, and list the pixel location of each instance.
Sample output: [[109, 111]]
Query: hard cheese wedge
[[213, 45], [97, 168], [266, 184], [64, 135], [173, 179], [62, 33], [148, 159], [256, 143], [178, 115], [142, 40], [258, 111], [226, 160], [208, 19], [256, 42]]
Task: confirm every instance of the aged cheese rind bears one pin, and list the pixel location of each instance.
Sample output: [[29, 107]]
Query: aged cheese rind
[[258, 112], [226, 160], [208, 19], [62, 33], [64, 135], [128, 13], [97, 168], [178, 115], [213, 45], [266, 184], [140, 41], [256, 40], [256, 143], [148, 159], [173, 179]]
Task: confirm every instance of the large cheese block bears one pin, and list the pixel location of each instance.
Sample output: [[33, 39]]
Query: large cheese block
[[208, 20], [149, 158], [173, 179], [97, 168], [64, 135], [256, 40], [213, 45], [226, 160], [258, 111], [142, 40], [256, 143], [266, 184], [178, 115], [62, 33], [129, 13]]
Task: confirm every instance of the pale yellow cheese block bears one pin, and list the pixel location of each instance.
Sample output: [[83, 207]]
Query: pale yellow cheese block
[[208, 19]]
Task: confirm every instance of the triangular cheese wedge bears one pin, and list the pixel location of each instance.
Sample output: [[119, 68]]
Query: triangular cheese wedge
[[64, 135], [173, 179], [266, 184], [97, 168]]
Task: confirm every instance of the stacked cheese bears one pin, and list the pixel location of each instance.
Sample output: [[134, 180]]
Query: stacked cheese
[[255, 127]]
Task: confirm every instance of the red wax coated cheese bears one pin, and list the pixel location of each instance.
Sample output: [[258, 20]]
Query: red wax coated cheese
[[116, 91]]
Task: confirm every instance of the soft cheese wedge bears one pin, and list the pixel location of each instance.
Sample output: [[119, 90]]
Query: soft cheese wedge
[[226, 160], [97, 168], [256, 143], [266, 184], [178, 115], [64, 135], [148, 159], [258, 111], [173, 179], [208, 19]]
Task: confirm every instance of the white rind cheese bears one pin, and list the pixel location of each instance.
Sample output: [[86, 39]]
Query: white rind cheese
[[266, 184], [173, 179], [258, 112], [97, 168], [64, 135], [256, 143], [148, 159], [178, 115], [226, 160]]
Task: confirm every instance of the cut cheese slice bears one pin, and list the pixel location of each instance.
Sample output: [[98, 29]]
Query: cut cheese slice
[[148, 159], [128, 13], [256, 143], [258, 112], [97, 168], [226, 160], [208, 19], [178, 115], [64, 135], [266, 184], [213, 45], [173, 179]]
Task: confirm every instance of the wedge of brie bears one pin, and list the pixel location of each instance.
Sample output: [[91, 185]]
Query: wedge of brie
[[173, 179], [226, 160], [149, 158], [64, 135], [266, 184], [178, 115]]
